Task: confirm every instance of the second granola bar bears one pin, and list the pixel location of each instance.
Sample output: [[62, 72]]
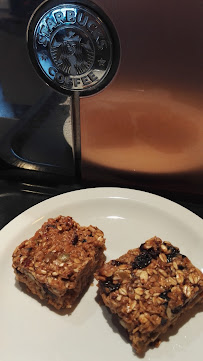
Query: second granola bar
[[148, 288]]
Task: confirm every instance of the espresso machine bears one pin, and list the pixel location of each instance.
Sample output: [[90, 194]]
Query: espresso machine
[[100, 93]]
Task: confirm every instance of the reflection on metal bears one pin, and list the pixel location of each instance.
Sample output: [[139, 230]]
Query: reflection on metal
[[22, 148], [71, 47], [76, 136]]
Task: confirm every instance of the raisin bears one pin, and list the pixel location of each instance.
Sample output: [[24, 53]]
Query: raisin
[[17, 271], [108, 284], [68, 277], [154, 253], [142, 260], [164, 295], [174, 253], [183, 256], [116, 263], [180, 267], [142, 249], [45, 288], [176, 310], [75, 239], [174, 250], [163, 321], [170, 257], [84, 240], [29, 249]]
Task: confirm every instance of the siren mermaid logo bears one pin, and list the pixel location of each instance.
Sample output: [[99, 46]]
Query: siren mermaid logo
[[71, 47], [71, 52]]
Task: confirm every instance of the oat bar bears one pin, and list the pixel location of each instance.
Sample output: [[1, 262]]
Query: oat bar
[[57, 263], [149, 288]]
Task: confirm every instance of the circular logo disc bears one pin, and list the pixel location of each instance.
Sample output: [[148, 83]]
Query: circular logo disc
[[71, 47]]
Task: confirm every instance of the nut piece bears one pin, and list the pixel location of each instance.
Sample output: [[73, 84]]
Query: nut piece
[[143, 318], [123, 291], [162, 257], [194, 278], [144, 276], [163, 273], [179, 277], [187, 290], [139, 291]]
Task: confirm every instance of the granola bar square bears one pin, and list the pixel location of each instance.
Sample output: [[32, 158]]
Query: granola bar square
[[148, 288], [58, 262]]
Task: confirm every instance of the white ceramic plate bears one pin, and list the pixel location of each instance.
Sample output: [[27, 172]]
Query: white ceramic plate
[[30, 331]]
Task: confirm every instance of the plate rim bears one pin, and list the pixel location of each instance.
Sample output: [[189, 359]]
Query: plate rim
[[112, 192]]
